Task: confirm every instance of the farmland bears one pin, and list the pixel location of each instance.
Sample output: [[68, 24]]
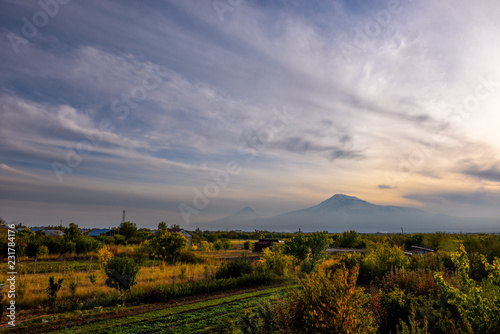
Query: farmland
[[379, 284]]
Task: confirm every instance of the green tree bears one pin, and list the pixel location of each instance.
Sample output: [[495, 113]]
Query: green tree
[[225, 244], [122, 274], [318, 243], [167, 245], [308, 249], [162, 226], [297, 246], [349, 239], [128, 230], [72, 232], [52, 291]]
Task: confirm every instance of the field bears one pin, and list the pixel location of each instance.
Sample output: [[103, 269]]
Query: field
[[189, 317], [376, 283], [33, 278]]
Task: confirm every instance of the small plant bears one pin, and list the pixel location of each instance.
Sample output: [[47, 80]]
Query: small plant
[[225, 326], [52, 291], [105, 255], [247, 245], [182, 275], [93, 278]]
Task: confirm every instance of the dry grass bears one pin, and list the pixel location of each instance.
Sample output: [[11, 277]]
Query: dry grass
[[32, 288]]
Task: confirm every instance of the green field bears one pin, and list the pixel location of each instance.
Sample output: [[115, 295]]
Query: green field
[[198, 317], [195, 317]]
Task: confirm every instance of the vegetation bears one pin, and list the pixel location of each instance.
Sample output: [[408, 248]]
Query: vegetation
[[52, 291], [166, 245], [122, 274], [380, 289]]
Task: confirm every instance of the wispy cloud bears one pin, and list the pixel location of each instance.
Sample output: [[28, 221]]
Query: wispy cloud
[[360, 111]]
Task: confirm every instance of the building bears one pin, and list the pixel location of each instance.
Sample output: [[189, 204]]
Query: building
[[183, 232], [54, 233], [416, 250], [265, 243], [102, 231]]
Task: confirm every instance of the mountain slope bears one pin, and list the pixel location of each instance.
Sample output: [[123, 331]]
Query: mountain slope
[[342, 212]]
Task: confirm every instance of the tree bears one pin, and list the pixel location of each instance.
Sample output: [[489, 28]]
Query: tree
[[175, 226], [318, 243], [167, 245], [162, 226], [308, 249], [297, 246], [349, 239], [128, 230], [52, 291], [72, 232], [143, 233], [122, 274], [225, 244]]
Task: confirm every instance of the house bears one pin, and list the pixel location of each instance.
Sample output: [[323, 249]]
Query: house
[[183, 232], [265, 243], [102, 231], [416, 250], [54, 233]]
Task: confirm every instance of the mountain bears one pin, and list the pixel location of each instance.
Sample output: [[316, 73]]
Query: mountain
[[234, 221], [342, 212]]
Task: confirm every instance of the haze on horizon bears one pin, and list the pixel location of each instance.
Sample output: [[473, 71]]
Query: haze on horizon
[[149, 107]]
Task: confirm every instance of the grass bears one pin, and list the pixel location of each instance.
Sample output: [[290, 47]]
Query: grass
[[189, 318], [32, 295], [31, 289]]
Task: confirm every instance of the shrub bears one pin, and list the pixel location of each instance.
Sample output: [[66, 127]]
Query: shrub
[[93, 278], [380, 260], [247, 245], [276, 262], [327, 303], [235, 268], [417, 283], [104, 254], [478, 306]]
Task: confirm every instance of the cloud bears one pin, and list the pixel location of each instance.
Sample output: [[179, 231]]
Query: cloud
[[490, 174], [358, 111]]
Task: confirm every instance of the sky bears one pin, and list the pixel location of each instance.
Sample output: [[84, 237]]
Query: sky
[[188, 111]]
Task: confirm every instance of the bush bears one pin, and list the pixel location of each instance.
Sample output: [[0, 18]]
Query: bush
[[478, 306], [188, 256], [327, 303], [380, 260], [247, 245], [417, 283], [276, 262], [235, 268]]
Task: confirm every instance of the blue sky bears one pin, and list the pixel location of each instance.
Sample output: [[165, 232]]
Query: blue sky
[[188, 111]]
